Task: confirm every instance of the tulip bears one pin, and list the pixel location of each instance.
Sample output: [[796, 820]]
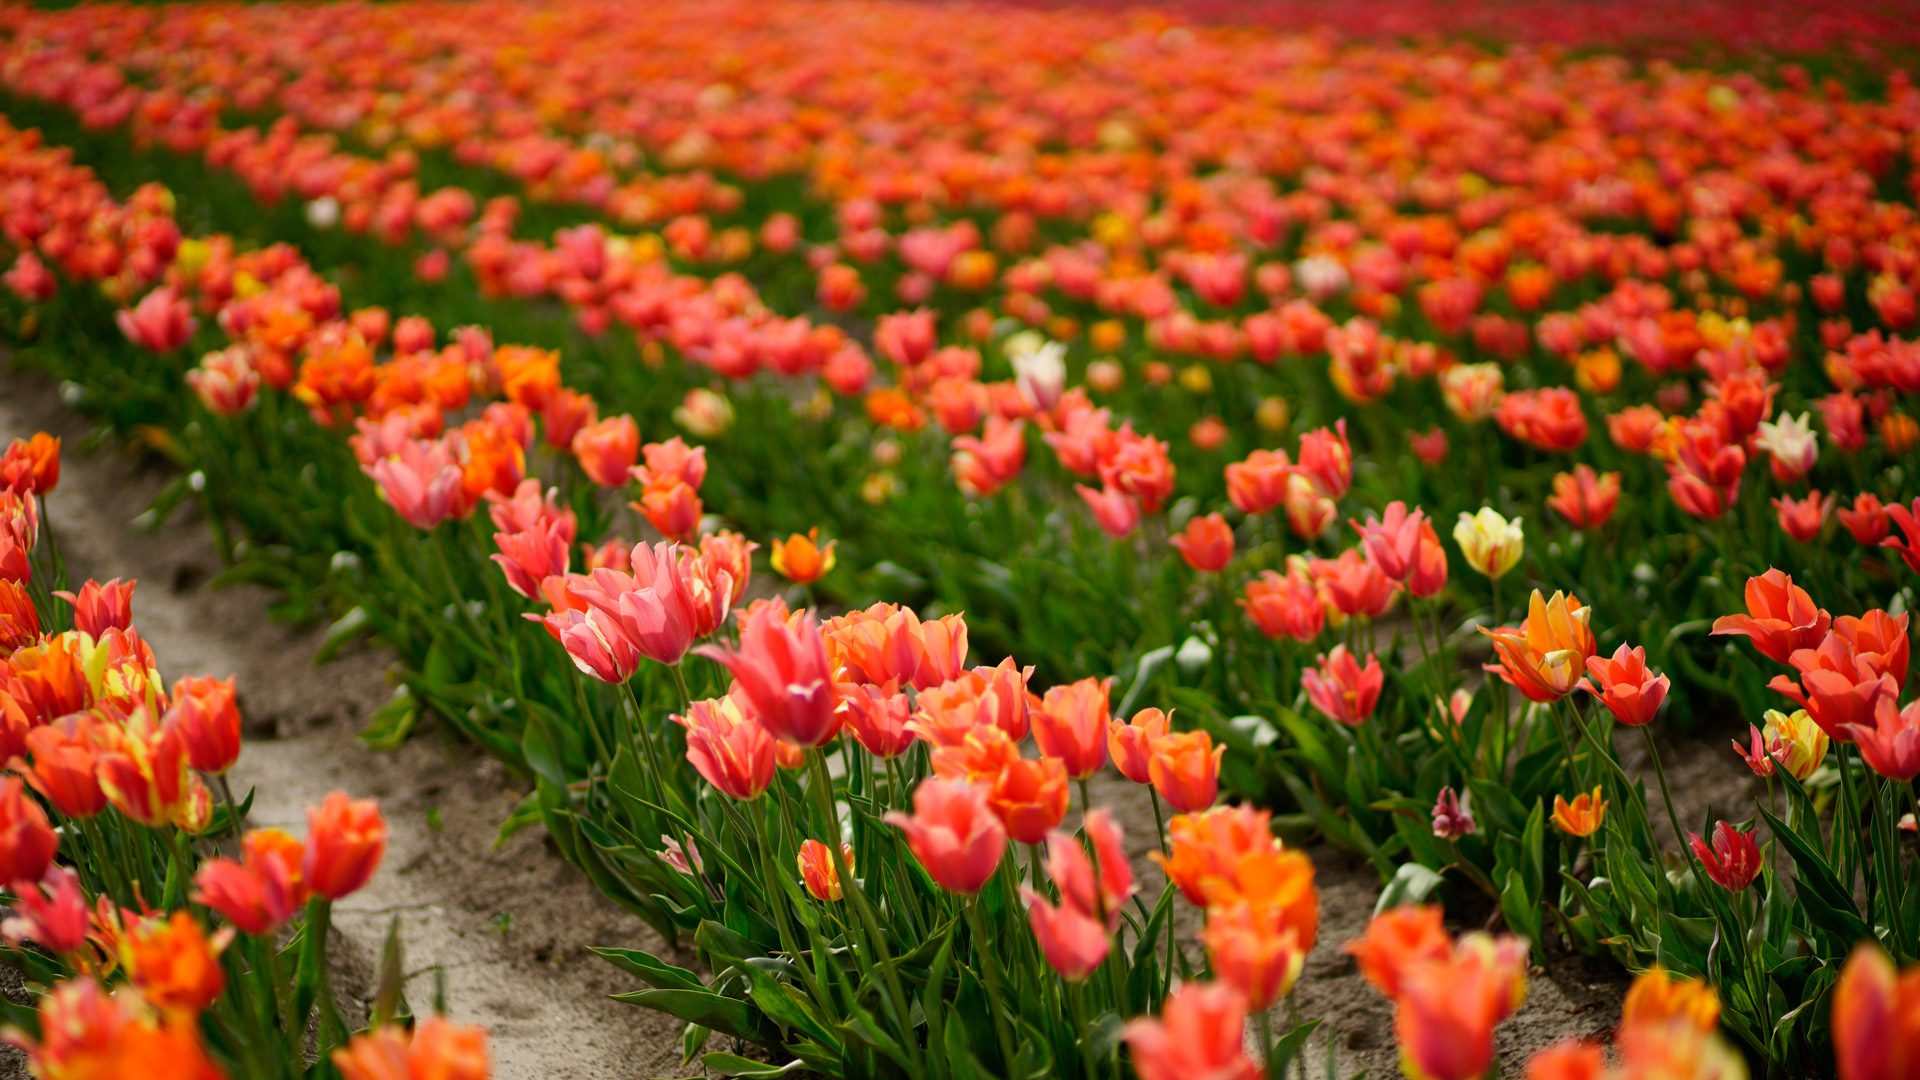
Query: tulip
[[800, 560], [1430, 568], [671, 507], [1568, 1061], [1876, 1018], [1185, 769], [1867, 520], [533, 555], [1342, 689], [1259, 483], [1802, 519], [1629, 690], [607, 449], [19, 620], [1200, 1034], [1544, 658], [27, 839], [206, 715], [782, 671], [1030, 796], [1073, 941], [162, 321], [1781, 618], [1658, 998], [728, 748], [1071, 725], [98, 608], [143, 772], [64, 768], [262, 891], [1447, 1008], [1490, 543], [1116, 512], [1583, 816], [1792, 741], [1838, 686], [1396, 941], [1733, 859], [51, 913], [953, 833], [877, 717], [346, 839], [817, 871], [1451, 819], [1584, 498], [172, 963], [1791, 445], [1890, 745], [436, 1048], [84, 1033], [1207, 543], [1254, 952], [1285, 606], [1101, 885], [1130, 743], [1392, 542]]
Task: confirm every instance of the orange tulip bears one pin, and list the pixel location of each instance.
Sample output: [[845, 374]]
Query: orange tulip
[[1545, 658], [1130, 743], [99, 607], [1200, 1032], [1207, 543], [607, 449], [1253, 950], [1568, 1061], [1185, 769], [1207, 846], [800, 559], [346, 839], [1071, 725], [208, 720], [1876, 1018], [263, 890], [1780, 620], [143, 771], [1447, 1008], [64, 766], [1581, 817], [1030, 796], [86, 1035], [19, 622], [817, 871], [1658, 998], [1396, 940], [436, 1049], [27, 839], [172, 962]]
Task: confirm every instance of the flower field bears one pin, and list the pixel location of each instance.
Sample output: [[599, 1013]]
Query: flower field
[[956, 519]]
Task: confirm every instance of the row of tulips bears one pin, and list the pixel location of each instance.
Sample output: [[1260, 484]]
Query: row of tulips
[[158, 935], [1341, 683]]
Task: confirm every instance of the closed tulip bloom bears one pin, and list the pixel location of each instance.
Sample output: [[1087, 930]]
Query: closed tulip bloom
[[1254, 952], [801, 559], [1586, 499], [729, 749], [1447, 1009], [1207, 543], [1430, 569], [1876, 1018], [64, 768], [206, 714], [1392, 541], [1732, 861], [1630, 691], [1490, 543], [172, 963], [1545, 657], [1200, 1034], [1583, 816], [782, 670], [1030, 795], [436, 1049], [1890, 745], [1878, 642], [1572, 1060], [19, 621], [1116, 512], [27, 839], [161, 322], [31, 464], [877, 718], [671, 507], [1206, 846], [817, 871], [607, 449], [1259, 483], [1780, 620], [1071, 725], [98, 608], [1130, 743], [1185, 769], [1792, 446], [1451, 819], [1100, 884], [1866, 519], [263, 890], [532, 555], [1398, 939], [953, 833], [346, 839], [143, 771], [1073, 941], [1342, 689]]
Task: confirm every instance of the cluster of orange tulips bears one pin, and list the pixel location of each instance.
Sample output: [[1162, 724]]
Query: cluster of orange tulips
[[1093, 364]]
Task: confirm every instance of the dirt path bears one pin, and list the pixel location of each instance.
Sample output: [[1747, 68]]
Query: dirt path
[[505, 932]]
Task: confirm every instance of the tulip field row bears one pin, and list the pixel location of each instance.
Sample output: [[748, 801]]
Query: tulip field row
[[808, 444]]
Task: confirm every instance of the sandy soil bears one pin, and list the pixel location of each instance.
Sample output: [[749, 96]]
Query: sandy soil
[[506, 931]]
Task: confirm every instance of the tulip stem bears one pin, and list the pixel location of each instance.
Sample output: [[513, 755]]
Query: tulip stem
[[1666, 793], [235, 818], [990, 974]]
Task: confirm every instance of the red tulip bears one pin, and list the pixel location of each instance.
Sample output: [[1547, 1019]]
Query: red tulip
[[953, 833], [1732, 861], [782, 670], [1781, 618], [346, 839], [1630, 692]]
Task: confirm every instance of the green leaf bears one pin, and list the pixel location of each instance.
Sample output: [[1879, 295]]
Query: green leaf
[[727, 1015], [1411, 884], [649, 968], [735, 1065], [392, 722]]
